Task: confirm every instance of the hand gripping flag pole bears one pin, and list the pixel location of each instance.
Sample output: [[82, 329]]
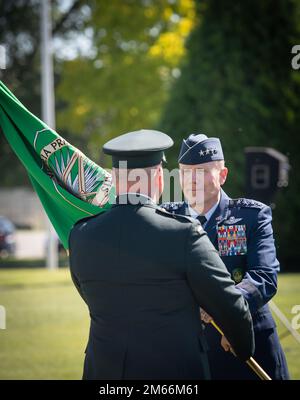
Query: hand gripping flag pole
[[251, 362]]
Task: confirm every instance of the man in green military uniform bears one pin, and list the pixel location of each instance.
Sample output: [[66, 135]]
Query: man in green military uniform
[[144, 272]]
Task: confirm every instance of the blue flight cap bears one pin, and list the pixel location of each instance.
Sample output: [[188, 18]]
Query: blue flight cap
[[199, 149]]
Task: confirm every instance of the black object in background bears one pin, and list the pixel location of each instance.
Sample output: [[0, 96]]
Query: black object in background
[[266, 172]]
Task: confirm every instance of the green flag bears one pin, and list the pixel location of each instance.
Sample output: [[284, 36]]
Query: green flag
[[69, 185]]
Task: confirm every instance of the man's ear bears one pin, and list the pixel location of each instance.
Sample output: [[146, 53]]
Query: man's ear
[[223, 175], [160, 174], [180, 176], [114, 176]]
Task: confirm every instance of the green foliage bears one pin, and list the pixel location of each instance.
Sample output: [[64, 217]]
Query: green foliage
[[121, 85], [116, 81], [237, 83], [20, 33], [20, 42]]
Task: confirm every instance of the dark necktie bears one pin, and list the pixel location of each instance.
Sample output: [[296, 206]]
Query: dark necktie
[[202, 219]]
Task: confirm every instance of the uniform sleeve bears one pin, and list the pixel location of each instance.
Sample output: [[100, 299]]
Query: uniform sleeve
[[72, 245], [259, 284], [215, 291]]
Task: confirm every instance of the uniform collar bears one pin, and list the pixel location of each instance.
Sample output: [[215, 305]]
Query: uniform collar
[[212, 210], [207, 215], [220, 213], [223, 204]]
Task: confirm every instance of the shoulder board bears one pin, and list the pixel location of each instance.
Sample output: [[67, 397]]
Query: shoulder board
[[85, 219], [246, 203], [172, 206], [161, 210]]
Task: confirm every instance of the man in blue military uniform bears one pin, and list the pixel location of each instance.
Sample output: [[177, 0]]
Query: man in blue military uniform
[[241, 231], [143, 287]]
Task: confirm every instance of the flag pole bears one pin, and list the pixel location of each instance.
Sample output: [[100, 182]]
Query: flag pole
[[251, 362], [48, 109]]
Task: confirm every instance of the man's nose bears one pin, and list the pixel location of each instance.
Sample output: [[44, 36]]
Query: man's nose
[[197, 176]]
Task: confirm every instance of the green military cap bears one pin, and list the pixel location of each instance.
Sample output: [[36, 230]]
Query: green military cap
[[139, 149]]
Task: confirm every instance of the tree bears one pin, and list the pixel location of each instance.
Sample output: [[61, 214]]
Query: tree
[[114, 63], [121, 84], [20, 33], [237, 83]]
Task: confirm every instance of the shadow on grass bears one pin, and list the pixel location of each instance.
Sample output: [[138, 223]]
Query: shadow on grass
[[40, 285], [7, 263]]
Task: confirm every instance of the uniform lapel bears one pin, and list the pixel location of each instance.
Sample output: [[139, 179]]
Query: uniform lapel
[[218, 216]]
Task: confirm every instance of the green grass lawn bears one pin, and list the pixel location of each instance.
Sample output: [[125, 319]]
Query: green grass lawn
[[47, 324]]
